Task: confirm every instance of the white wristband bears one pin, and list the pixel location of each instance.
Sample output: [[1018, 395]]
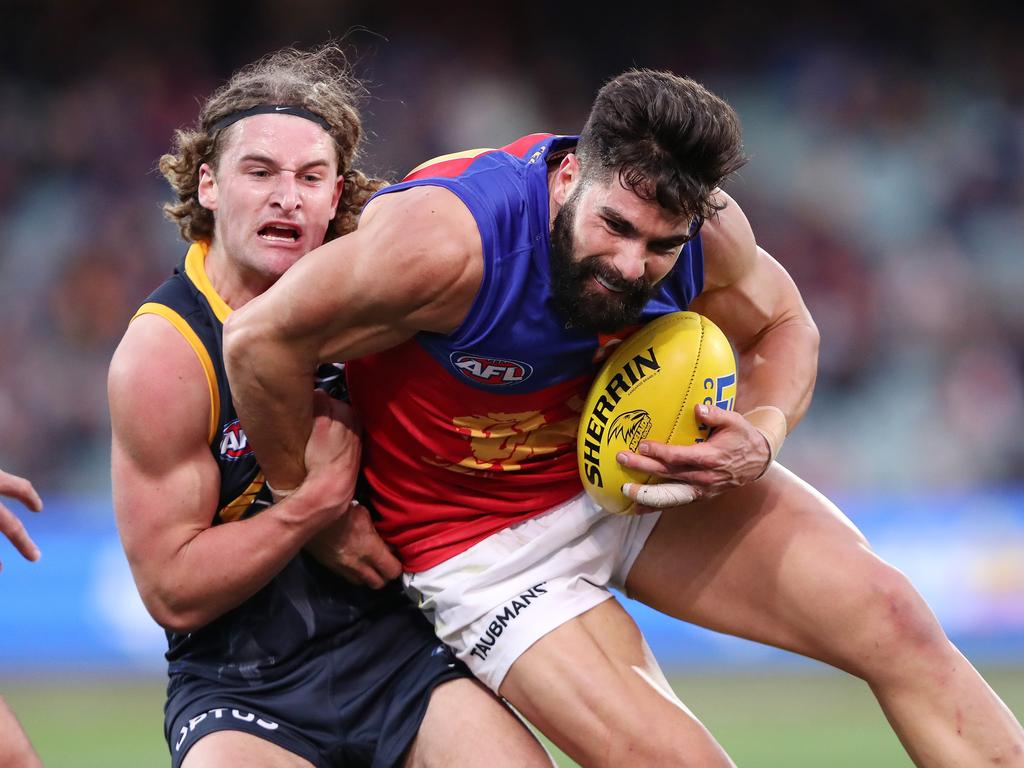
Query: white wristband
[[771, 422]]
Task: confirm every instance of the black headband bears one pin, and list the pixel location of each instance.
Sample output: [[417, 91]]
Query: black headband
[[270, 109]]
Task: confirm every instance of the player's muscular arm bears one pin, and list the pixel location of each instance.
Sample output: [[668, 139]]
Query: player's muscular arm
[[413, 264], [755, 302], [166, 486]]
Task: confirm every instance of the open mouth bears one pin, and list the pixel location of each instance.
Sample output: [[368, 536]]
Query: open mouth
[[281, 233], [603, 282]]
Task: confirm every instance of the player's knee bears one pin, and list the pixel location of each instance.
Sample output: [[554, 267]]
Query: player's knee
[[897, 629]]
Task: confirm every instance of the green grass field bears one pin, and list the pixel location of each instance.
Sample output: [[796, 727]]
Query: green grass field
[[805, 718]]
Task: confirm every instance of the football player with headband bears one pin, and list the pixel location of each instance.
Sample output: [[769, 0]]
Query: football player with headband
[[273, 658]]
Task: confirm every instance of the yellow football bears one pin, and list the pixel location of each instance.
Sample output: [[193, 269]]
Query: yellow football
[[648, 389]]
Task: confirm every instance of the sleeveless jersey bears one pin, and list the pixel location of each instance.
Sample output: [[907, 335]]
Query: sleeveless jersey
[[473, 431], [306, 606]]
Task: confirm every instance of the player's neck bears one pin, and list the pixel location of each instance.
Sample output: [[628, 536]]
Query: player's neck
[[235, 284]]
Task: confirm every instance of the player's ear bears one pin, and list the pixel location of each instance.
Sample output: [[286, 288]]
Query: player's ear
[[566, 178], [207, 190], [339, 187]]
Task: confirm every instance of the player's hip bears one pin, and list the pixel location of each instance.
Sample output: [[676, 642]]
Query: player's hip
[[494, 600]]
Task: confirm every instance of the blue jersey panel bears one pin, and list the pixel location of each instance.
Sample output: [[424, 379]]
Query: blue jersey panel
[[512, 340]]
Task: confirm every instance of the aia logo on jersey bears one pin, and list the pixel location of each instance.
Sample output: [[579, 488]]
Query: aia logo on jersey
[[489, 370], [234, 445]]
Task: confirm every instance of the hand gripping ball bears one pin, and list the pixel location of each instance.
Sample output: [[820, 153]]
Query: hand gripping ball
[[647, 390]]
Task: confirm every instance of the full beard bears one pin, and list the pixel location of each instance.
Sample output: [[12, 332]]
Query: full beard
[[583, 305]]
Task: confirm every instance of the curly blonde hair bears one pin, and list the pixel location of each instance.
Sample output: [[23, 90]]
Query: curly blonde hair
[[318, 80]]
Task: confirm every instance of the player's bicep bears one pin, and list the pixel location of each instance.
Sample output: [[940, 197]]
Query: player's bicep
[[412, 265], [165, 479], [747, 292], [763, 298]]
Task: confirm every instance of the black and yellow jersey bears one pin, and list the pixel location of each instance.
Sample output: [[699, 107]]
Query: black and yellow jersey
[[305, 605]]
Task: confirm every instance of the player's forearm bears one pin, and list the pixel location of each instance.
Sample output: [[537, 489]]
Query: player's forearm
[[779, 369], [222, 566], [271, 385]]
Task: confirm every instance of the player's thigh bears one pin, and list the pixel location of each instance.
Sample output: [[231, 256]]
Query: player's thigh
[[222, 748], [594, 688], [467, 725], [774, 561]]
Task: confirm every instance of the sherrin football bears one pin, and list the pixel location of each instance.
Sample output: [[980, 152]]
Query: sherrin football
[[648, 389]]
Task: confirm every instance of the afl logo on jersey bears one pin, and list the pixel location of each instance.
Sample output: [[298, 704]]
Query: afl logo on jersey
[[234, 445], [490, 371]]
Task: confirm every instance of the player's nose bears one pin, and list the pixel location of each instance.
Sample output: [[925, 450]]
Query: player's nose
[[630, 261], [286, 192]]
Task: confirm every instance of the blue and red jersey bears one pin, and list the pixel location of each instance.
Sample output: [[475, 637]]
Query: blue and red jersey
[[470, 432]]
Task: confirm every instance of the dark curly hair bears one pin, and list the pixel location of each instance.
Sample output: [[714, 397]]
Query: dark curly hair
[[318, 80], [667, 137]]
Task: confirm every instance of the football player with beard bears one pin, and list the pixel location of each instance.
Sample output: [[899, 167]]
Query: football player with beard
[[476, 301]]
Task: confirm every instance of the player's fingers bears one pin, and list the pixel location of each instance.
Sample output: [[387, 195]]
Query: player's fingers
[[698, 478], [14, 530], [341, 411], [660, 496], [642, 464], [687, 475], [383, 562], [21, 489], [33, 501], [700, 455], [390, 570], [371, 578], [714, 416], [651, 465], [361, 575]]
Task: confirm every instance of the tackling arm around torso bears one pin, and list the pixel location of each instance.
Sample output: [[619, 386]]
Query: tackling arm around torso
[[414, 264], [166, 486]]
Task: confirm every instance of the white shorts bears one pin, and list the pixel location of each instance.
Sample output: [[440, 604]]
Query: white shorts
[[496, 599]]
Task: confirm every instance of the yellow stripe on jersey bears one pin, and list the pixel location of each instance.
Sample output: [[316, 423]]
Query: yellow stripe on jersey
[[452, 156], [152, 308], [234, 509], [195, 268]]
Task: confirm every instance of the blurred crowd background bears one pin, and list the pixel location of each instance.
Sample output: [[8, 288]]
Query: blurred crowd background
[[886, 174]]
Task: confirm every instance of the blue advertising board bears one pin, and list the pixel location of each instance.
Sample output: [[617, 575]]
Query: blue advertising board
[[76, 611]]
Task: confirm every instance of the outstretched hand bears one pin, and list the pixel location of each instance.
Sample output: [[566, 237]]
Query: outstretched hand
[[21, 489], [351, 547], [735, 454]]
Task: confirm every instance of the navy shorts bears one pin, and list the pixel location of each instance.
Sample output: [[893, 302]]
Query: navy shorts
[[356, 702]]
